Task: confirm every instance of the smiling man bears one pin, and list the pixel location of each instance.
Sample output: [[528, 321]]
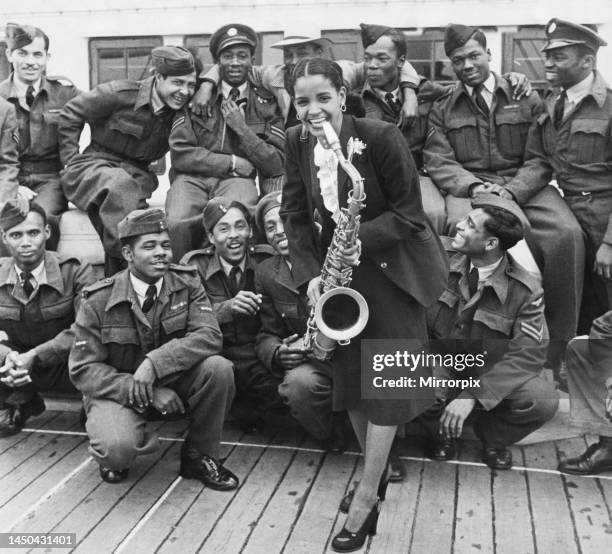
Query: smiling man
[[130, 124], [38, 99], [494, 307], [39, 296], [222, 155], [227, 270], [146, 343]]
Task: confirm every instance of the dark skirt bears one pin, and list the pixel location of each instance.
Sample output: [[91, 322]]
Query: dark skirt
[[394, 314]]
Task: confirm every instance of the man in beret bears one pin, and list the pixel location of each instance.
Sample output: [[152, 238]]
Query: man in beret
[[476, 143], [572, 140], [493, 308], [243, 138], [147, 343], [38, 98], [227, 269], [295, 48], [39, 295], [130, 124]]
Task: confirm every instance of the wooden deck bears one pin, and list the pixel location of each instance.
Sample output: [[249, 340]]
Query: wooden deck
[[288, 498]]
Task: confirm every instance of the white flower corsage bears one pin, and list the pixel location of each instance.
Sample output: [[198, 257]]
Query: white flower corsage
[[354, 147]]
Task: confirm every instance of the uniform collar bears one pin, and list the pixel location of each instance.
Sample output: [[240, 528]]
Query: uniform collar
[[123, 291], [47, 273], [489, 85], [19, 89], [227, 267], [498, 280], [226, 88], [500, 85], [144, 93], [140, 287], [157, 104], [382, 94], [578, 91]]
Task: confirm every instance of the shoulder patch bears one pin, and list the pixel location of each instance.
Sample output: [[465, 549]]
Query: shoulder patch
[[261, 251], [98, 285], [186, 259], [184, 268], [124, 84], [64, 81]]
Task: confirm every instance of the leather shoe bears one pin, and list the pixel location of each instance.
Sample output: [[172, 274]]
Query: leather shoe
[[208, 470], [497, 458], [14, 416], [444, 450], [596, 458], [113, 476], [397, 470]]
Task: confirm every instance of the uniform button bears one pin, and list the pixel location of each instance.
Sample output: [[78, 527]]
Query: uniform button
[[383, 265], [459, 325]]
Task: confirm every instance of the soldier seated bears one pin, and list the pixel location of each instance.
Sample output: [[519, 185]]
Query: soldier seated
[[222, 155], [494, 308], [39, 295], [146, 340], [227, 270]]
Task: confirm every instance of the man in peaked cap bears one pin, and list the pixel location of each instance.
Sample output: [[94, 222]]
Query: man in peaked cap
[[39, 295], [227, 270], [498, 313], [243, 138], [476, 143], [37, 99], [130, 124], [147, 343], [572, 140]]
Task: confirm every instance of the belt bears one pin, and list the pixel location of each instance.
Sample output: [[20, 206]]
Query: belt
[[40, 166], [583, 193]]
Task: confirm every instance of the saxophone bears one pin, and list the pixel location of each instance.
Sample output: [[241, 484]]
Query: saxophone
[[341, 313]]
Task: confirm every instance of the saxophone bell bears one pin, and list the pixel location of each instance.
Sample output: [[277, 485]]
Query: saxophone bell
[[341, 314]]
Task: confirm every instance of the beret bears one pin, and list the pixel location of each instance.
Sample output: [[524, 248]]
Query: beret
[[172, 60], [13, 212], [371, 33], [561, 33], [496, 201], [456, 36], [141, 222], [21, 35], [230, 35], [217, 207], [267, 202], [294, 40]]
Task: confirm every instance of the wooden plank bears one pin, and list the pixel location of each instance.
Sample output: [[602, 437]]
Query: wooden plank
[[275, 524], [39, 422], [189, 530], [552, 520], [474, 512], [587, 504], [320, 511], [398, 512], [435, 508]]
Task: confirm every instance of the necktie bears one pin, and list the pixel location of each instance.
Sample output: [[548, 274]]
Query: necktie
[[26, 283], [473, 281], [392, 102], [29, 97], [479, 99], [150, 297], [234, 279], [559, 109], [234, 94]]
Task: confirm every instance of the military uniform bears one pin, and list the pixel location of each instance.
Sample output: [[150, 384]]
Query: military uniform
[[201, 153], [9, 153], [307, 388], [257, 395], [39, 149], [505, 321], [465, 147], [182, 340], [42, 321]]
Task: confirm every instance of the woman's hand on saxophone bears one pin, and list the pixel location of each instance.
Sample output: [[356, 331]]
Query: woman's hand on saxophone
[[351, 254]]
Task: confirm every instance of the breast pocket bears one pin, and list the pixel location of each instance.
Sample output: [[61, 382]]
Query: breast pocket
[[588, 141], [61, 309], [52, 117], [441, 316], [127, 127], [294, 319], [123, 347], [511, 127], [463, 137], [175, 325], [496, 322]]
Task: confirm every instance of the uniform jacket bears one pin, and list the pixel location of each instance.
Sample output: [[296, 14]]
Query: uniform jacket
[[284, 310], [113, 336], [38, 135], [43, 322], [205, 146], [465, 147], [238, 330], [395, 233], [580, 152], [9, 151], [122, 123], [272, 78], [504, 319], [415, 134]]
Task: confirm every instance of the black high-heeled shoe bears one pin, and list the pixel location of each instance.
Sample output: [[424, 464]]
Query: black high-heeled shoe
[[345, 541], [345, 503]]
